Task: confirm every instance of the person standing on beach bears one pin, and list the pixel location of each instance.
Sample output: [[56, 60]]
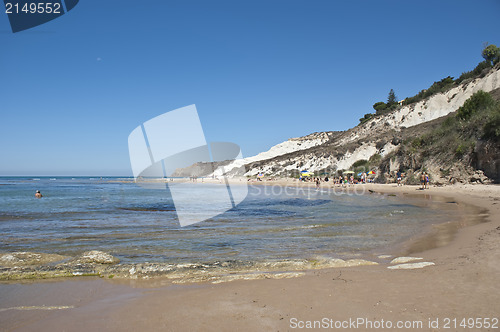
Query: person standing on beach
[[38, 194], [422, 181], [426, 181], [398, 176]]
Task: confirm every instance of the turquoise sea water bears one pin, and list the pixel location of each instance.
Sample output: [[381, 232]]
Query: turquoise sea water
[[139, 225]]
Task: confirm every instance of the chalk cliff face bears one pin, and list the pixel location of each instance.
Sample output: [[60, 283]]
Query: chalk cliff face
[[381, 135]]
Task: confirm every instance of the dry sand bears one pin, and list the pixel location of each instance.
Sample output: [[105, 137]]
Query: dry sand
[[462, 283]]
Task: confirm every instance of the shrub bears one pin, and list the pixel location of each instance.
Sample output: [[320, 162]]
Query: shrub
[[445, 172], [491, 128], [448, 122], [464, 148], [379, 106], [478, 101], [361, 162], [417, 142], [366, 117], [437, 87], [475, 72], [375, 159], [460, 150], [491, 53]]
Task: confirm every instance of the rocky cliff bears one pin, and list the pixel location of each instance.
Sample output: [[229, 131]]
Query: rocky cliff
[[382, 137]]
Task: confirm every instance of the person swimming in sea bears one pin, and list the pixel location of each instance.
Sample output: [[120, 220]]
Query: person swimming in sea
[[38, 194]]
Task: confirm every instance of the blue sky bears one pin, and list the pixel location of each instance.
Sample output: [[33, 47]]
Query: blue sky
[[259, 72]]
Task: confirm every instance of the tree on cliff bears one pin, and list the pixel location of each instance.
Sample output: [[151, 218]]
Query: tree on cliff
[[379, 106], [491, 53], [391, 99]]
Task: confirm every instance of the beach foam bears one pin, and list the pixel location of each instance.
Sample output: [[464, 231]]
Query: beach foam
[[400, 260], [410, 266]]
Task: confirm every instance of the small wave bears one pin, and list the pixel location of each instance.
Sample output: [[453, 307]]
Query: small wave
[[296, 202], [43, 307], [293, 228], [396, 212], [148, 208], [217, 272], [245, 211]]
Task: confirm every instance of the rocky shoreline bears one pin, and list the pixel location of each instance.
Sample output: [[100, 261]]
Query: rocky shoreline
[[18, 266], [29, 265]]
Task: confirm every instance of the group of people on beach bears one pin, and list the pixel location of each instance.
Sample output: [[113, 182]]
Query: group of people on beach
[[424, 181], [343, 180]]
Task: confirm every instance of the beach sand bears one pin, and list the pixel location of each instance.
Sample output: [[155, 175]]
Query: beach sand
[[462, 283]]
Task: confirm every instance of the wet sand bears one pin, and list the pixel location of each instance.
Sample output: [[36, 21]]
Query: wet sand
[[463, 283]]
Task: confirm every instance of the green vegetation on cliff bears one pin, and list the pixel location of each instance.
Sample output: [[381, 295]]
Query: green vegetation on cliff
[[460, 138], [491, 55], [476, 119]]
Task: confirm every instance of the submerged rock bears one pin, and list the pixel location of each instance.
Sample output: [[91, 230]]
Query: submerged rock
[[97, 257], [102, 264], [23, 258], [384, 256]]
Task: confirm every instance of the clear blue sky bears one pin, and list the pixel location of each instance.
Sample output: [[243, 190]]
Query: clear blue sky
[[259, 72]]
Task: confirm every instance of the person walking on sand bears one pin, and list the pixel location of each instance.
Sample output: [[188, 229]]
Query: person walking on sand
[[38, 194], [426, 181], [398, 176], [422, 181], [317, 183]]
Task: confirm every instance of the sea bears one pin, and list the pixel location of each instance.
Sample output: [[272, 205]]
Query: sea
[[137, 224]]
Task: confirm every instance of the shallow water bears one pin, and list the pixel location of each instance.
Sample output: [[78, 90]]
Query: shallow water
[[140, 225]]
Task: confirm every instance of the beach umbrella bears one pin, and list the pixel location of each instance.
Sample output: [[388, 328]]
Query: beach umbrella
[[305, 173], [371, 172], [359, 174], [260, 175], [349, 172]]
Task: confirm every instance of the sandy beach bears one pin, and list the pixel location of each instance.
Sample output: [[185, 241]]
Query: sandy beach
[[462, 283]]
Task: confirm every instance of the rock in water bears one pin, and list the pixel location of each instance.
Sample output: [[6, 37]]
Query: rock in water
[[23, 258], [97, 257], [401, 260]]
